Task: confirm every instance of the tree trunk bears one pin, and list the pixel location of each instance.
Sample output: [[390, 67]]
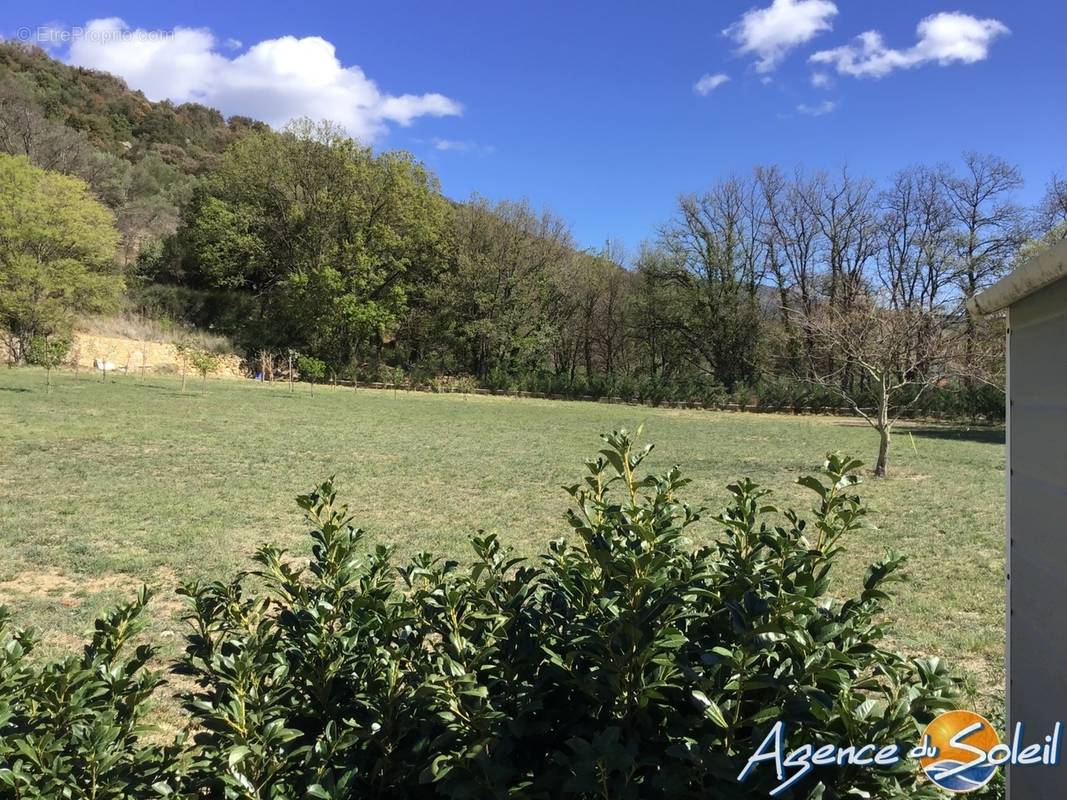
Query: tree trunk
[[883, 431], [883, 453]]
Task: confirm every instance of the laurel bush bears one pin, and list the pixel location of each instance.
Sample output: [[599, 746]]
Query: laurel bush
[[625, 662], [73, 728]]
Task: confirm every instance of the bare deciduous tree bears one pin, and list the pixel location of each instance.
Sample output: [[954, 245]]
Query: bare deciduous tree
[[1052, 213], [989, 224], [901, 352], [843, 209], [793, 234], [916, 265]]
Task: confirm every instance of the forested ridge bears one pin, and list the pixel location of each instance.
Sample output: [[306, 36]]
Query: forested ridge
[[764, 285], [111, 116]]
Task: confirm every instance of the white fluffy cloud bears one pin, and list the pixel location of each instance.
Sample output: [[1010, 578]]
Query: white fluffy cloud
[[944, 38], [451, 144], [709, 83], [274, 80], [772, 32], [817, 110], [461, 146]]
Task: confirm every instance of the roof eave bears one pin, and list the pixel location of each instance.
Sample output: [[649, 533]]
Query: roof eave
[[1037, 273]]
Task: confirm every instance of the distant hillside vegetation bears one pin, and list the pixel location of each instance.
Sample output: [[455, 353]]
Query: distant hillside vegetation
[[113, 117], [141, 159]]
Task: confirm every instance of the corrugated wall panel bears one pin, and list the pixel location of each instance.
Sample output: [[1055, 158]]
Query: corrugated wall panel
[[1037, 529]]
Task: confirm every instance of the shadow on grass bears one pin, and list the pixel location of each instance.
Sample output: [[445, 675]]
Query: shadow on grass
[[169, 390], [980, 434], [14, 389]]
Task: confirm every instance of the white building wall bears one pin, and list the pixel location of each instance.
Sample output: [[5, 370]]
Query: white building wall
[[1037, 529]]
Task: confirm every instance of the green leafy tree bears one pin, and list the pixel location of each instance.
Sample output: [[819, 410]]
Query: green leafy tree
[[658, 304], [311, 368], [57, 253], [715, 247], [203, 361], [329, 237], [505, 294], [183, 352], [47, 353]]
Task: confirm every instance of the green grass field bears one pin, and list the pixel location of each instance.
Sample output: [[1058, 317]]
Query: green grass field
[[106, 485]]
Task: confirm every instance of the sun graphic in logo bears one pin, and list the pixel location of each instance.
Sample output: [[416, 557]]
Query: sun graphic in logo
[[961, 741]]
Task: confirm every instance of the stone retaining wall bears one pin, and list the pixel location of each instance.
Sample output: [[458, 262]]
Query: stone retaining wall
[[129, 355]]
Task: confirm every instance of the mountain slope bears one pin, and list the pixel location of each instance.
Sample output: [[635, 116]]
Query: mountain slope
[[113, 117]]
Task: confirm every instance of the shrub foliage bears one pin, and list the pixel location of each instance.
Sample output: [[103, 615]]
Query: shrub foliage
[[623, 663], [73, 728]]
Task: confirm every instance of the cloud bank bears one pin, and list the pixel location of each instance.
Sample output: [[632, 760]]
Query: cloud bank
[[274, 80], [945, 38]]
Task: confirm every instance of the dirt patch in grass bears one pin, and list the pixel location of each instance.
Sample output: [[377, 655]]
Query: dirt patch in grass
[[72, 591], [63, 642], [69, 591], [167, 606]]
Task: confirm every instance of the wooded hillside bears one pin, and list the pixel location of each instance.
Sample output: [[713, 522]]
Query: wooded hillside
[[305, 241]]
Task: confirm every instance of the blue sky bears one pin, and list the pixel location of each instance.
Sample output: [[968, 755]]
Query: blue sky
[[591, 107]]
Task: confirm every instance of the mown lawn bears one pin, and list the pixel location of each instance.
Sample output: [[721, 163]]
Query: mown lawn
[[107, 485]]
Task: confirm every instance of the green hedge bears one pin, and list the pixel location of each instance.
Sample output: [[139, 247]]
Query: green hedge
[[622, 663], [951, 401]]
